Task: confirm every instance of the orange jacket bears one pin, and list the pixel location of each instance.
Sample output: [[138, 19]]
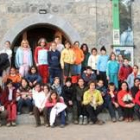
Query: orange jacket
[[79, 55]]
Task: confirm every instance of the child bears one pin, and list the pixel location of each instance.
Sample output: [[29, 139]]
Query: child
[[93, 58], [55, 106], [112, 103], [88, 75], [57, 86], [93, 102], [24, 58], [84, 48], [100, 86], [102, 65], [68, 93], [137, 103], [54, 62], [24, 96], [113, 69], [41, 59], [80, 90], [60, 46], [9, 102], [126, 102], [33, 76], [14, 76], [79, 57], [39, 99]]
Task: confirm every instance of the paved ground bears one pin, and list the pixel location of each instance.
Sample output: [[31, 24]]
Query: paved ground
[[109, 131]]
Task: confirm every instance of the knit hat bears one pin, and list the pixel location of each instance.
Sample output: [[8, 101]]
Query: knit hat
[[9, 81], [103, 48], [68, 79]]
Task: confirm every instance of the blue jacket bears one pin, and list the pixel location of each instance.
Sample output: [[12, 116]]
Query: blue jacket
[[102, 63], [33, 77], [19, 57], [88, 78], [54, 59], [112, 67]]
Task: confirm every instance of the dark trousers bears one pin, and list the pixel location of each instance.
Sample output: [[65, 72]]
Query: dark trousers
[[54, 72], [27, 102], [93, 113], [38, 114], [128, 112], [81, 110], [68, 70], [111, 108], [137, 110], [102, 75]]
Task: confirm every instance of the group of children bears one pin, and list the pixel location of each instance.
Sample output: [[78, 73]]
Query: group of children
[[69, 83]]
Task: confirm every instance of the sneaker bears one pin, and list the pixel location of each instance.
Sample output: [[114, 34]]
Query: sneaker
[[99, 122], [120, 118], [85, 121], [13, 123], [19, 113], [8, 124], [80, 119], [62, 126], [113, 119]]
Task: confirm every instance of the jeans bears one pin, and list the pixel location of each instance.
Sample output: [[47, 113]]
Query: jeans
[[77, 69], [27, 102], [111, 109], [114, 78]]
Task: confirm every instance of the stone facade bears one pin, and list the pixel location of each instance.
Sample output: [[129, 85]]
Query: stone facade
[[91, 19]]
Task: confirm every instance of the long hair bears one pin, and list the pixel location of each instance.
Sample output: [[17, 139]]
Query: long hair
[[42, 39], [82, 46], [112, 53], [57, 96], [31, 69], [124, 82], [25, 41]]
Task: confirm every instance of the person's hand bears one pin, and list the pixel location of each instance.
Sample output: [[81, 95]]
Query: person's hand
[[34, 82], [30, 84], [116, 105], [70, 102]]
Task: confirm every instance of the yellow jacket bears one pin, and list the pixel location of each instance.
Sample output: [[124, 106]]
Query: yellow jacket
[[96, 95], [67, 56]]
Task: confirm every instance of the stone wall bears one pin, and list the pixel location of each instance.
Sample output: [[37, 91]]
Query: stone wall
[[92, 19]]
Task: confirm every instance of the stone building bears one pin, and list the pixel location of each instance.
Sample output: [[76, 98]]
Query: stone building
[[89, 21]]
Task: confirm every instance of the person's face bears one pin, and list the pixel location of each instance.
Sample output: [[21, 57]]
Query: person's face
[[53, 46], [42, 43], [92, 86], [57, 40], [24, 83], [37, 88], [124, 86], [135, 69], [76, 44], [67, 45], [94, 52], [126, 62], [9, 85], [137, 82], [88, 71], [103, 52], [120, 57], [68, 84], [113, 57], [100, 83], [7, 45], [111, 88], [25, 45], [53, 96], [33, 70], [57, 81], [12, 71], [81, 82], [84, 48], [46, 90]]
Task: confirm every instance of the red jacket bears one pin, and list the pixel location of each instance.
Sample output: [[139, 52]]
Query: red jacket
[[137, 98], [4, 97], [124, 72], [120, 96]]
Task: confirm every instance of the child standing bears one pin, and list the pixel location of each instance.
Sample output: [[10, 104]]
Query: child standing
[[24, 58], [41, 59], [113, 69]]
